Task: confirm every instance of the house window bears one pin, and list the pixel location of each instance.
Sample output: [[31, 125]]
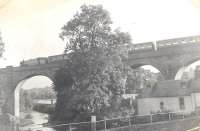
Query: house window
[[161, 105], [181, 103]]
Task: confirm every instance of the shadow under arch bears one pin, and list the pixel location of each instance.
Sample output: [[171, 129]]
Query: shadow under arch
[[189, 68], [19, 86], [149, 67], [180, 72], [142, 75]]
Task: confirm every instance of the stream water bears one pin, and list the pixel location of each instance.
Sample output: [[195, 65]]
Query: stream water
[[38, 119]]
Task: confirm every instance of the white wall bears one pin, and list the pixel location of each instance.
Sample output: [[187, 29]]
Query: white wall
[[196, 99], [147, 105]]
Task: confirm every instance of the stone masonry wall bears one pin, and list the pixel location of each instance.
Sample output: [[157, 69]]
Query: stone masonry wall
[[8, 123]]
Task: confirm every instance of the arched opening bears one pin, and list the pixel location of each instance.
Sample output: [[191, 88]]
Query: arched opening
[[188, 71], [151, 68], [142, 76], [34, 95]]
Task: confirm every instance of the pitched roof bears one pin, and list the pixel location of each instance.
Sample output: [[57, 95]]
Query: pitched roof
[[194, 85], [170, 88]]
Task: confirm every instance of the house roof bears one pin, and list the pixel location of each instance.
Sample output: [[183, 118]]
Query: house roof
[[171, 88]]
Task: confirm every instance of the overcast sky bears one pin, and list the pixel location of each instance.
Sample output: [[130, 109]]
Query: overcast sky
[[30, 28]]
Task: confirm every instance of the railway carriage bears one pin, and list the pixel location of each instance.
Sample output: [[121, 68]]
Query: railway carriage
[[147, 46], [55, 58], [41, 60], [44, 60], [142, 47], [178, 41]]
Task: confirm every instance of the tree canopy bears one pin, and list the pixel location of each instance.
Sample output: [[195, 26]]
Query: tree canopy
[[93, 79]]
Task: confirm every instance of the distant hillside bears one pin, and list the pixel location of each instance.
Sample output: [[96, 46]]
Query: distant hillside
[[41, 93]]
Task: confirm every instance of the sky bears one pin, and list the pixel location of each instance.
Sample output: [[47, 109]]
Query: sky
[[30, 28]]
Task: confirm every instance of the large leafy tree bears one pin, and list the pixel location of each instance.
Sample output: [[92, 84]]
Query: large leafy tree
[[92, 81]]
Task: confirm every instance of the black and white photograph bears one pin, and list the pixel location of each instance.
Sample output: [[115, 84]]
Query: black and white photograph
[[99, 65]]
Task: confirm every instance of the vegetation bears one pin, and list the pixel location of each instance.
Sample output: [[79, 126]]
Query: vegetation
[[42, 93], [44, 108], [3, 104], [26, 102], [93, 80], [29, 97], [1, 46], [2, 93], [140, 78]]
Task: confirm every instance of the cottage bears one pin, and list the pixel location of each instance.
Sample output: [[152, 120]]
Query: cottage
[[170, 96]]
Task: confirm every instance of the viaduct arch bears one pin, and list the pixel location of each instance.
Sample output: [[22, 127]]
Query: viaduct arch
[[10, 78], [168, 56], [19, 86]]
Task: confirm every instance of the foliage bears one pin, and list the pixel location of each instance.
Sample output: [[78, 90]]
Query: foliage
[[1, 46], [42, 93], [26, 102], [27, 98], [140, 78], [92, 81], [44, 108]]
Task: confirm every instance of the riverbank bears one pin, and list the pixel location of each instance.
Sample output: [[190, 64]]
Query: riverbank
[[38, 120]]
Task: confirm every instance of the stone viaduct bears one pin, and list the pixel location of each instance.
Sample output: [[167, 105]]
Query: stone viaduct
[[12, 77], [168, 56]]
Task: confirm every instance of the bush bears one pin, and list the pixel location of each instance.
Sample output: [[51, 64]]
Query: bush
[[44, 108]]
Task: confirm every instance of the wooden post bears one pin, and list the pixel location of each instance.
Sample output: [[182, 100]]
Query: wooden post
[[105, 124], [129, 119], [70, 128], [93, 123], [169, 116], [183, 116], [51, 101], [151, 118]]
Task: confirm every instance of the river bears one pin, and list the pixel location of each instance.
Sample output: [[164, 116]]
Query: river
[[38, 119]]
